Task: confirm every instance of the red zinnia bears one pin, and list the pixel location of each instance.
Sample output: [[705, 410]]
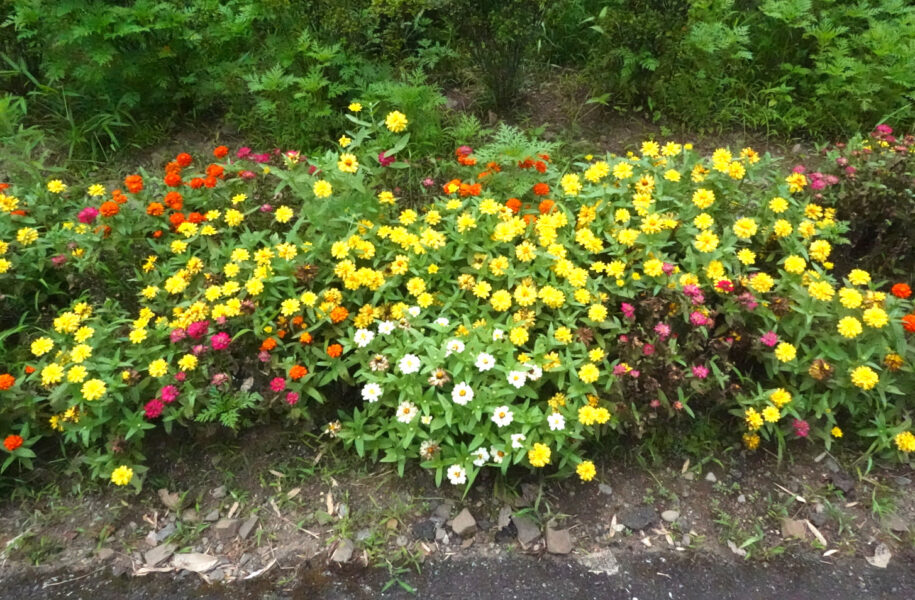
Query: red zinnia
[[196, 183], [6, 381], [12, 442], [220, 151], [901, 290], [176, 219], [134, 183], [210, 182], [541, 189], [29, 369], [908, 322], [334, 350], [215, 170], [173, 180], [546, 206], [196, 217], [184, 159]]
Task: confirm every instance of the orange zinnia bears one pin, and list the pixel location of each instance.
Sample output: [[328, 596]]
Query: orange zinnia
[[215, 170], [297, 372], [196, 183], [12, 442], [546, 206], [210, 182], [6, 381], [541, 189], [268, 344], [174, 200], [155, 209], [334, 350], [109, 209], [305, 338], [908, 322], [134, 183], [220, 151], [338, 314], [173, 180], [184, 159], [196, 217], [901, 290], [176, 219], [514, 204]]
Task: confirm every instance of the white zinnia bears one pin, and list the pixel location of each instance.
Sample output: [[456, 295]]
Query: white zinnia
[[371, 392], [386, 327], [363, 337], [442, 322], [502, 416], [557, 422], [462, 393], [409, 364], [406, 412], [497, 455], [457, 475], [480, 456], [485, 361], [517, 378], [454, 347], [518, 440], [497, 334], [414, 311]]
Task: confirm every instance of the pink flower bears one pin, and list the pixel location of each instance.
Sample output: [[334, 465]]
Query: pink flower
[[817, 184], [263, 356], [628, 310], [220, 341], [698, 319], [385, 160], [428, 182], [168, 394], [801, 428], [842, 161], [655, 403], [700, 371], [663, 330], [624, 339], [678, 405], [198, 329], [219, 379], [748, 300], [648, 349], [278, 384], [619, 370], [247, 174], [177, 335], [243, 152], [725, 285], [87, 215], [180, 376], [667, 268], [260, 158], [799, 169], [464, 150], [198, 349], [153, 408], [59, 260], [292, 398], [265, 208], [884, 129], [769, 339], [634, 373]]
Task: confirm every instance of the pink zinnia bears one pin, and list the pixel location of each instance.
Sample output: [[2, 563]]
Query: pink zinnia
[[663, 330], [278, 384], [243, 152], [464, 150], [769, 339], [180, 376], [725, 285], [667, 268], [385, 160], [428, 182], [266, 208], [219, 379], [635, 373], [169, 394], [700, 371], [87, 215], [260, 158], [678, 405], [59, 260], [292, 398], [263, 356], [884, 129], [220, 341], [628, 310], [247, 174], [198, 329], [698, 319], [619, 370], [153, 408], [177, 335], [801, 428], [654, 403], [648, 349]]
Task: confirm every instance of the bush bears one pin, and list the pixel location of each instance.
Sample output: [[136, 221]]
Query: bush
[[531, 307]]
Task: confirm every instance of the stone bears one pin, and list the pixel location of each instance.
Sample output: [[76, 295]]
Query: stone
[[507, 533], [245, 530], [464, 524], [165, 532], [212, 516], [363, 534], [401, 541], [670, 515], [818, 515], [710, 477], [687, 540], [323, 517], [881, 557], [484, 524], [191, 516], [843, 481], [793, 528], [602, 562], [689, 476], [172, 501], [342, 510], [741, 499], [442, 512], [216, 575], [151, 540], [528, 531], [605, 489], [194, 561], [505, 517], [896, 523], [343, 552], [558, 541], [424, 530], [529, 493], [218, 493], [226, 529], [104, 554], [637, 518], [902, 481], [159, 554], [832, 465]]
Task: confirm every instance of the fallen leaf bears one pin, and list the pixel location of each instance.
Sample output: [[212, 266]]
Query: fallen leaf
[[685, 466], [816, 532], [329, 499], [293, 493], [194, 561], [276, 473], [829, 552], [735, 549], [881, 557]]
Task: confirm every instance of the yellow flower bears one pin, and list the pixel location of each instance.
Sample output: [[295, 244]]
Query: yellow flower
[[703, 221], [795, 264], [622, 170], [849, 327], [344, 141], [539, 455], [761, 282], [746, 256], [284, 214], [396, 121], [651, 149], [188, 362], [93, 389], [322, 188], [905, 441], [42, 346], [745, 228], [137, 336], [796, 182], [703, 198], [386, 197], [80, 352], [122, 475], [571, 184], [158, 367], [753, 419], [77, 374], [597, 312], [821, 290], [835, 432], [348, 163], [233, 217], [751, 441], [820, 250], [588, 373], [289, 307], [563, 335], [56, 186], [782, 228], [771, 414], [706, 241], [858, 276], [864, 377], [785, 352], [875, 317], [26, 236], [354, 107], [52, 373], [96, 190], [780, 397], [850, 297], [518, 336], [778, 205], [586, 470], [501, 300]]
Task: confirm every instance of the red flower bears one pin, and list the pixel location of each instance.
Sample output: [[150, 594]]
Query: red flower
[[196, 183], [184, 159], [12, 442], [908, 322], [901, 290], [176, 219], [220, 151], [109, 209], [196, 217], [29, 369], [210, 182], [133, 183], [334, 350], [6, 381], [541, 189]]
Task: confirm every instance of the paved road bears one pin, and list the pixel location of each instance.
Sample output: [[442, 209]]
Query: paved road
[[654, 577]]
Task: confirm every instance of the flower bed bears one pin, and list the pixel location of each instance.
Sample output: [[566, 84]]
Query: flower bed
[[525, 308]]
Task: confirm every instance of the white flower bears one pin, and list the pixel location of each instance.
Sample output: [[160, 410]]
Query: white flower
[[480, 456], [406, 412], [497, 334], [425, 419], [371, 392], [457, 475], [517, 378], [497, 455], [485, 361], [414, 311], [442, 322], [409, 364], [386, 327], [363, 337], [462, 393], [534, 372], [501, 416], [518, 440], [454, 347], [557, 422]]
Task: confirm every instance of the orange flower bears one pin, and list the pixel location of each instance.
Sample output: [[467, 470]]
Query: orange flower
[[901, 290], [452, 186], [172, 168], [268, 344], [297, 372], [305, 338], [196, 217], [6, 381], [29, 369], [174, 200], [109, 209], [298, 320], [220, 151], [196, 183], [494, 166], [215, 170], [210, 182], [12, 442], [514, 204], [334, 350], [527, 163], [155, 209], [281, 334], [157, 233], [338, 314], [467, 161], [528, 219], [546, 206], [176, 219], [173, 180], [133, 183], [908, 322], [541, 189], [118, 196], [470, 189], [184, 159], [540, 165]]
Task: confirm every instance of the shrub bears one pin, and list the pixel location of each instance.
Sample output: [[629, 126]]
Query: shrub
[[530, 307]]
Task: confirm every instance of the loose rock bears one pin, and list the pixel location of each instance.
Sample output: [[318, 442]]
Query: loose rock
[[245, 530], [527, 529], [343, 552], [226, 529], [211, 516], [159, 554], [637, 518], [172, 501], [464, 524], [710, 477], [558, 541], [793, 528], [424, 530], [670, 515], [218, 492], [601, 562], [605, 489]]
